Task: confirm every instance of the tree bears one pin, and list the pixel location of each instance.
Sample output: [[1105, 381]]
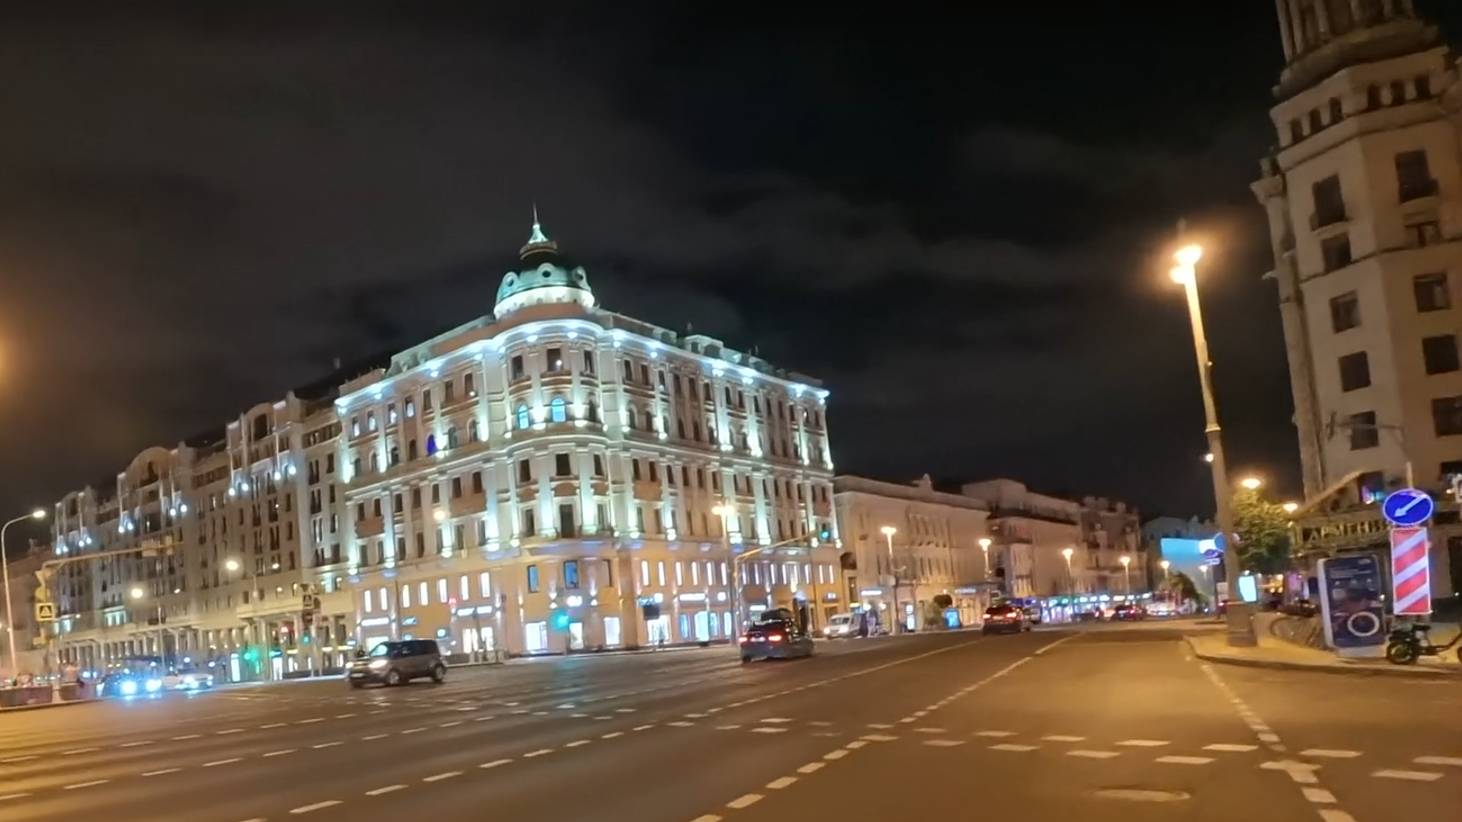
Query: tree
[[1262, 529], [1183, 588]]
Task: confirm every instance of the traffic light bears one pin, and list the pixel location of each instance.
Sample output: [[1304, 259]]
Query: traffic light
[[825, 533]]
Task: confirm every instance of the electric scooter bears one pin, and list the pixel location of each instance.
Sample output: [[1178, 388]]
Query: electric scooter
[[1408, 643]]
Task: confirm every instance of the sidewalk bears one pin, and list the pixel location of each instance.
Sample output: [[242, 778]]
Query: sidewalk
[[1273, 652]]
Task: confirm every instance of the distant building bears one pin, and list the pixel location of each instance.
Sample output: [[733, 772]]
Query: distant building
[[935, 549], [548, 477], [1363, 191], [28, 640]]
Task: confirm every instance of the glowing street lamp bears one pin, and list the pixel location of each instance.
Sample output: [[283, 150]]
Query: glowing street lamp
[[1127, 572], [35, 514], [893, 618], [231, 565], [1068, 552], [1290, 507], [1251, 483], [985, 549], [1185, 273]]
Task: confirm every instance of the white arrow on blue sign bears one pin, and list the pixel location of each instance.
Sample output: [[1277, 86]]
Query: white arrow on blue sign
[[1408, 507]]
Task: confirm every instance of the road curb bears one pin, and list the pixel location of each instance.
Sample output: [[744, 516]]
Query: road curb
[[1340, 668], [43, 705]]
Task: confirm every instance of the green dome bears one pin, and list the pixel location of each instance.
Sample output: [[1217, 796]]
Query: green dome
[[543, 270]]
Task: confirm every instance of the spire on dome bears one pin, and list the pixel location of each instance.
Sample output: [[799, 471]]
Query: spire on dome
[[537, 240]]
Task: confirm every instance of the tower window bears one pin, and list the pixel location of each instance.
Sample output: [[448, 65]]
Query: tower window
[[522, 416], [1447, 416], [1355, 371], [1413, 176], [562, 466], [557, 410], [1337, 112], [1344, 312], [1431, 292], [1440, 353], [1335, 251], [1373, 97], [1423, 87], [1425, 233], [1398, 92]]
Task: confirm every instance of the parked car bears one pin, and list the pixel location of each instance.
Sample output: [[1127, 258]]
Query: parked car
[[396, 663], [1299, 608], [1005, 619], [775, 637]]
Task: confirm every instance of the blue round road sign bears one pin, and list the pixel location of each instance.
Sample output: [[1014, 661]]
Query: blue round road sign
[[1407, 507]]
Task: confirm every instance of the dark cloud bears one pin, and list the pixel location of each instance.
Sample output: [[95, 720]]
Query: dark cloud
[[957, 221]]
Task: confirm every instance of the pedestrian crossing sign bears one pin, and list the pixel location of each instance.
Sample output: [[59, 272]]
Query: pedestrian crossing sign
[[45, 612]]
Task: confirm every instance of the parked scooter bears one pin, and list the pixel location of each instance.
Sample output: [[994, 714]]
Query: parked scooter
[[1410, 642]]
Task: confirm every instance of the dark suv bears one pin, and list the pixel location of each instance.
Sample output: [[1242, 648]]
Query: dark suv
[[393, 663]]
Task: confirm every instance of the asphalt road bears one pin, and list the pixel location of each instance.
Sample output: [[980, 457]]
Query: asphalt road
[[1111, 723]]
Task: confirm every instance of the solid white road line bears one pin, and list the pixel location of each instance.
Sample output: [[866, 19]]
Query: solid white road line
[[385, 790], [744, 801], [328, 803], [1327, 753], [1006, 746], [1184, 760]]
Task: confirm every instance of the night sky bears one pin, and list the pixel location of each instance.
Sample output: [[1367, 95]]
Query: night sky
[[960, 223]]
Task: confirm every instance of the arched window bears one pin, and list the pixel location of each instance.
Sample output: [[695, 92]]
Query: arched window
[[375, 462], [452, 437], [473, 434], [593, 411], [557, 411], [630, 418], [522, 416], [431, 444]]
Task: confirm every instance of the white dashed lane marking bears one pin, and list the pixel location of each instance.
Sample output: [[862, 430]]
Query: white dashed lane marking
[[161, 771], [328, 803], [142, 742], [539, 752], [744, 801], [282, 752], [782, 782], [1412, 776], [215, 763], [944, 743], [1185, 760], [86, 784], [812, 767], [1327, 753], [440, 776], [995, 734], [9, 796], [327, 744], [387, 789], [496, 763], [1007, 746], [1063, 738], [1319, 796]]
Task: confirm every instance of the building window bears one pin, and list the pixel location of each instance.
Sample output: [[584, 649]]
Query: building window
[[598, 465], [525, 470], [1335, 251], [431, 444], [1373, 96], [410, 408], [557, 410], [589, 363], [477, 482], [530, 523], [554, 359], [571, 573], [1355, 371], [1398, 92], [473, 432], [566, 520], [1329, 202], [456, 487], [484, 584], [629, 371], [1344, 312], [629, 418], [1413, 176], [635, 469], [522, 416], [562, 466], [1423, 234], [1315, 122], [1337, 112], [452, 437], [426, 399], [1423, 87], [515, 367], [1440, 353], [1447, 416], [1363, 431], [532, 579], [442, 591], [469, 386], [1431, 292], [1296, 130], [448, 392]]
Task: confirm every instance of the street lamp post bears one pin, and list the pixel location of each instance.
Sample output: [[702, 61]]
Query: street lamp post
[[893, 618], [1165, 565], [38, 513], [1127, 574], [1240, 628], [985, 549], [1068, 552], [724, 512]]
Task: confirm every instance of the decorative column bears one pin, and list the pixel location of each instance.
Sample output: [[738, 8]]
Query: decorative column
[[1281, 7]]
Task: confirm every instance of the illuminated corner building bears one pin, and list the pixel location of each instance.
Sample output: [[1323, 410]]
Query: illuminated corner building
[[543, 479], [1362, 191]]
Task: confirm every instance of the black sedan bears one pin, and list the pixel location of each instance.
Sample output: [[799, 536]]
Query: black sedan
[[775, 638]]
